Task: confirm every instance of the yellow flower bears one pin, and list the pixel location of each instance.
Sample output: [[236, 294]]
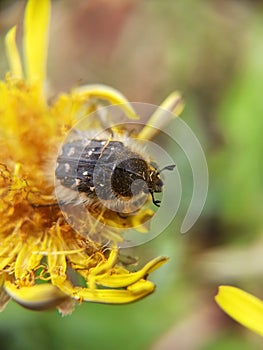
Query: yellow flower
[[44, 263], [242, 307]]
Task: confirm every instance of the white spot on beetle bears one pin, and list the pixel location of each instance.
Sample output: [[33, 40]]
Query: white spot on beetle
[[67, 167], [71, 151]]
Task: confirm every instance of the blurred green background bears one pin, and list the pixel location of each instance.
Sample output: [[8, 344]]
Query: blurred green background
[[212, 51]]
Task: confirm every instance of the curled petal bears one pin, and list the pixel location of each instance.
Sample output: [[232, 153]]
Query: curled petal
[[38, 297], [127, 279], [173, 104], [242, 307], [134, 292], [105, 266], [108, 93]]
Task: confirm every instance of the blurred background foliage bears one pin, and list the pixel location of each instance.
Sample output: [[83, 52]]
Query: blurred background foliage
[[212, 52]]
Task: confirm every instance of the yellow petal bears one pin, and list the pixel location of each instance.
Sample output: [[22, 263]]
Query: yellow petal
[[35, 41], [242, 307], [57, 264], [108, 93], [105, 266], [9, 248], [171, 107], [124, 280], [13, 54], [139, 221], [38, 297], [26, 260], [173, 103], [109, 296]]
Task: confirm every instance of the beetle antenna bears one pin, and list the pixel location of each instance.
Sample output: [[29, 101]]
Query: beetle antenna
[[168, 167]]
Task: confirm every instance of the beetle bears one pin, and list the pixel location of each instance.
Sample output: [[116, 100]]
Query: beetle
[[108, 170]]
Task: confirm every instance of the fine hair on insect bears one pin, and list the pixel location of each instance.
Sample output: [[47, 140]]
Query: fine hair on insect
[[110, 169]]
